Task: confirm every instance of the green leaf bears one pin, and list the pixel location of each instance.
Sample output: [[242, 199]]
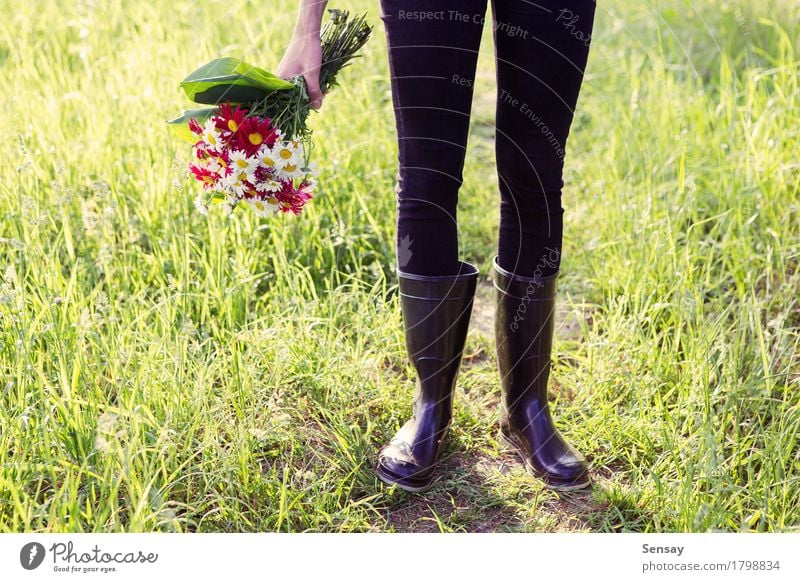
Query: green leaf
[[180, 125], [232, 80], [264, 78], [234, 93]]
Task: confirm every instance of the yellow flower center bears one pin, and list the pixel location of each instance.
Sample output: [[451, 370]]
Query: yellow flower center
[[285, 154], [290, 168], [211, 139], [232, 125], [259, 205], [241, 163], [268, 161], [255, 138]]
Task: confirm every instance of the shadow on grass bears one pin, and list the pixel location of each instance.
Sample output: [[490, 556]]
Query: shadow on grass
[[483, 492]]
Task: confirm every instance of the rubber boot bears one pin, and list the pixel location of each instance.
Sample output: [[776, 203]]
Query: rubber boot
[[524, 325], [436, 312]]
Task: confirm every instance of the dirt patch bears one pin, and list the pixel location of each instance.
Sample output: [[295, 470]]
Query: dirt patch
[[461, 500], [482, 318], [481, 492]]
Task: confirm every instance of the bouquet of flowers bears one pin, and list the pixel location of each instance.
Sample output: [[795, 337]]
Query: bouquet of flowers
[[254, 146]]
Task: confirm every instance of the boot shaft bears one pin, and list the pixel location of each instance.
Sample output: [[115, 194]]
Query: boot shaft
[[524, 327], [436, 313]]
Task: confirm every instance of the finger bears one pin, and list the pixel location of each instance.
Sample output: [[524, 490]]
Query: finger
[[316, 103], [315, 99], [315, 95]]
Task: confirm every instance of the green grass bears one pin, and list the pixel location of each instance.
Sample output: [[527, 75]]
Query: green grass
[[163, 371]]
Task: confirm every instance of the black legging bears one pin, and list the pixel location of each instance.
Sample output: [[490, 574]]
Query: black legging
[[541, 47]]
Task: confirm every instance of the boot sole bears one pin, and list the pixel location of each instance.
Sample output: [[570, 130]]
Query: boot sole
[[511, 447], [409, 488], [390, 480]]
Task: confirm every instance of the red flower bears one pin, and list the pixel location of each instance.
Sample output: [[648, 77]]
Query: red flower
[[204, 175], [251, 192], [253, 132], [263, 174], [291, 199], [304, 192], [229, 120], [195, 127], [224, 160], [200, 151]]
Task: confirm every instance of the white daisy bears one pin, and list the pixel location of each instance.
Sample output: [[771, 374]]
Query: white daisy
[[200, 204], [224, 187], [227, 206], [211, 136], [262, 207], [286, 155], [216, 165], [237, 182], [289, 172], [266, 157], [242, 163], [268, 186], [296, 143]]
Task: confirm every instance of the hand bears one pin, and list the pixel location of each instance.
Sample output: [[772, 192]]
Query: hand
[[303, 56]]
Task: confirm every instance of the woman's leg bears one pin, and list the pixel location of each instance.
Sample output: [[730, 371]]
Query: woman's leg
[[433, 49], [541, 49]]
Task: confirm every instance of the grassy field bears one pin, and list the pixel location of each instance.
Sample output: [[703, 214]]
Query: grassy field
[[164, 371]]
